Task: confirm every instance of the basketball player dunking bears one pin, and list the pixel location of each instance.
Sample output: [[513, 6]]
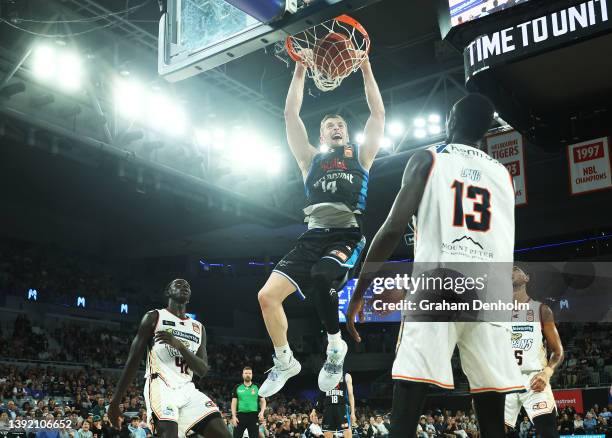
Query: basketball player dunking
[[434, 191], [176, 349], [338, 406], [336, 188], [529, 328]]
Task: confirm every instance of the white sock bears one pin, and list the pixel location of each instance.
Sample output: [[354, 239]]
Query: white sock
[[334, 340], [283, 353]]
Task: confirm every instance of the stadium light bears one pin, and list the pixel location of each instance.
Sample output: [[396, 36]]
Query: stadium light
[[360, 138], [176, 119], [129, 98], [420, 133], [69, 71], [44, 62], [203, 137], [274, 162], [396, 128], [435, 129], [385, 143], [434, 119], [323, 148], [419, 122]]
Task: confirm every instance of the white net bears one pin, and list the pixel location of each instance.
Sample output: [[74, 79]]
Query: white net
[[331, 51]]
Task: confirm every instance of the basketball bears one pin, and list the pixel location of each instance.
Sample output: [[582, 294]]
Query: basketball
[[334, 54]]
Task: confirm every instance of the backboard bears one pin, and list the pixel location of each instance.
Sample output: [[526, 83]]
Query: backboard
[[198, 35]]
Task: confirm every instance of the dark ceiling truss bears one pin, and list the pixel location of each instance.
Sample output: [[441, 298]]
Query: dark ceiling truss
[[215, 78]]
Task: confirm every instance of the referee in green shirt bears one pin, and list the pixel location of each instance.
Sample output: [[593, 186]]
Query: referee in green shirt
[[247, 406]]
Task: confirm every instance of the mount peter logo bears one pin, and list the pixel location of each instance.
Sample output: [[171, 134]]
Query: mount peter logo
[[467, 238]]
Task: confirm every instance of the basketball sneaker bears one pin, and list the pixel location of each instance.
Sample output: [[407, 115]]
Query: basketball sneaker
[[331, 373], [278, 376]]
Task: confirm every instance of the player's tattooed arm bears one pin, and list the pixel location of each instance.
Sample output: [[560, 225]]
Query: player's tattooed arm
[[139, 344], [297, 137], [540, 380], [405, 206], [351, 397], [375, 126]]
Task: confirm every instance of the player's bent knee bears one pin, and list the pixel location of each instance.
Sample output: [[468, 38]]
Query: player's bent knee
[[214, 428]]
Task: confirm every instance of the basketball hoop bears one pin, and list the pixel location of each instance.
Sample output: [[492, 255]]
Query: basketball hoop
[[330, 51]]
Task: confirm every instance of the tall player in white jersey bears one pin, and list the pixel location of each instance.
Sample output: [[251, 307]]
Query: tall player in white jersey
[[459, 196], [529, 330], [176, 347]]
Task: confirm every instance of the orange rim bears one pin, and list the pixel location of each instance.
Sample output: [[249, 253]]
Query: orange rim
[[346, 19]]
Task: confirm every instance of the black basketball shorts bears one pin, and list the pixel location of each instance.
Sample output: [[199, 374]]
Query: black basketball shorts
[[336, 418], [341, 245]]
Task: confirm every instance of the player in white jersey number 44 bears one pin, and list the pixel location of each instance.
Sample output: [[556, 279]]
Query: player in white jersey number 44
[[529, 329], [176, 347]]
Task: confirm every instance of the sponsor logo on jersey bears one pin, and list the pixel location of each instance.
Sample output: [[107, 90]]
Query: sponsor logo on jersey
[[168, 411], [210, 404], [539, 406], [521, 344], [334, 164], [522, 328], [348, 152], [342, 256], [472, 174], [530, 317], [186, 336], [196, 327], [171, 323], [467, 247]]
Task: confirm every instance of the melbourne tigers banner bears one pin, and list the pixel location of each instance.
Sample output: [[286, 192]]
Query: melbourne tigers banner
[[569, 397], [508, 148]]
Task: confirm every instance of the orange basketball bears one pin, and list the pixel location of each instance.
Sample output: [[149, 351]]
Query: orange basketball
[[334, 54]]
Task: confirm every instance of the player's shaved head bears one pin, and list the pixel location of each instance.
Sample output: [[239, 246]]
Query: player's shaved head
[[470, 119]]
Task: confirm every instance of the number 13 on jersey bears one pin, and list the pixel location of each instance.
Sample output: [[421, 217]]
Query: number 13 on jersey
[[480, 218]]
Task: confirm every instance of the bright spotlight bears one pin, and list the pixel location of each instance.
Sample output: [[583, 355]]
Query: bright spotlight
[[44, 62], [360, 138], [323, 148], [176, 119], [219, 134], [419, 122], [434, 119], [420, 133], [202, 137], [396, 129], [69, 71], [129, 97], [274, 162], [435, 129], [156, 107], [385, 143]]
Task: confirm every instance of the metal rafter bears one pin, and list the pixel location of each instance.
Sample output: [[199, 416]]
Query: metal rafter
[[216, 78]]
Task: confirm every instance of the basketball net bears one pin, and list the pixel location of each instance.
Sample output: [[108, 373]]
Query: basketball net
[[329, 72]]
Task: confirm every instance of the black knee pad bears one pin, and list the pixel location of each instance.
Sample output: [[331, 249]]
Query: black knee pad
[[327, 271]]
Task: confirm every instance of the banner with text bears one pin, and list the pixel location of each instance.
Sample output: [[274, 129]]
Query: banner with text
[[508, 149], [569, 397], [589, 166]]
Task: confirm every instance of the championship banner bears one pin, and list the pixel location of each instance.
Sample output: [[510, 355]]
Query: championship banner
[[507, 148], [589, 166], [569, 397]]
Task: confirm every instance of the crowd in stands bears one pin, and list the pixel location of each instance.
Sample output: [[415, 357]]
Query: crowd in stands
[[24, 266]]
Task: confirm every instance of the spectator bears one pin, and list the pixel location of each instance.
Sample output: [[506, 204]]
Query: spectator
[[590, 424], [566, 426], [84, 431], [578, 425], [421, 426], [135, 430], [524, 428], [96, 428], [315, 429], [383, 432]]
